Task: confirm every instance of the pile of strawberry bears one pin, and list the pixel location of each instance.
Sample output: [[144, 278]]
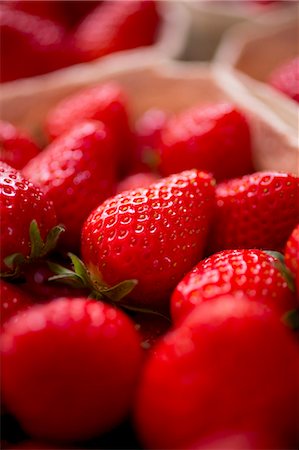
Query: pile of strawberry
[[38, 37], [149, 281]]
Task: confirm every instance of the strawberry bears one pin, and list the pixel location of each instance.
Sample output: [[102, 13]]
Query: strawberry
[[27, 218], [148, 130], [138, 180], [124, 25], [77, 171], [252, 273], [285, 79], [230, 365], [16, 147], [32, 45], [12, 300], [69, 368], [104, 102], [215, 138], [144, 233], [238, 440], [292, 255], [256, 211]]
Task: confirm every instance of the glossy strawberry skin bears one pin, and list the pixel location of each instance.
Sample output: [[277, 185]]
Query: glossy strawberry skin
[[124, 25], [239, 272], [106, 103], [231, 364], [77, 172], [145, 233], [255, 211], [69, 369], [12, 301], [292, 255], [16, 147], [20, 203], [286, 79], [41, 45], [215, 138]]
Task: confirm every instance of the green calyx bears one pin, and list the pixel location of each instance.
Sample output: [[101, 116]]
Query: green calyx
[[39, 249], [81, 278], [279, 263]]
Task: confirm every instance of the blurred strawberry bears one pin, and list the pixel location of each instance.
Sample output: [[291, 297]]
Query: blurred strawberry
[[214, 138], [151, 327], [286, 79], [12, 300], [292, 255], [32, 45], [123, 25], [148, 140], [256, 211], [105, 102], [77, 172], [16, 147]]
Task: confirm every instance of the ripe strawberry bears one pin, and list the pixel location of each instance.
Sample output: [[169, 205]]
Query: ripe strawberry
[[239, 440], [69, 368], [286, 79], [27, 218], [77, 172], [148, 130], [138, 180], [124, 25], [256, 211], [145, 233], [41, 45], [230, 365], [106, 103], [292, 255], [12, 301], [252, 273], [215, 138], [16, 147]]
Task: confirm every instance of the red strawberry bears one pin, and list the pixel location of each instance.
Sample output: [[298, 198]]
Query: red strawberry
[[230, 365], [292, 255], [16, 147], [256, 211], [215, 138], [124, 25], [148, 130], [26, 218], [106, 103], [31, 45], [12, 300], [138, 180], [239, 440], [146, 233], [286, 79], [239, 272], [69, 368], [77, 172]]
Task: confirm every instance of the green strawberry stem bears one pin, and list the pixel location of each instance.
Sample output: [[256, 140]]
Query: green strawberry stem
[[80, 277], [39, 249], [280, 265], [291, 319]]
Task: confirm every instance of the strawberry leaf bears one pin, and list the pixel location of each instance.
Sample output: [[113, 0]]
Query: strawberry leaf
[[119, 291], [279, 263]]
